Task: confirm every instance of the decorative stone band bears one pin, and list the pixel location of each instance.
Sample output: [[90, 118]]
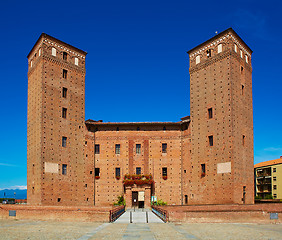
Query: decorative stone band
[[220, 40], [63, 48]]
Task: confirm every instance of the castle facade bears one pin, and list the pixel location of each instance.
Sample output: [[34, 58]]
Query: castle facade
[[205, 158]]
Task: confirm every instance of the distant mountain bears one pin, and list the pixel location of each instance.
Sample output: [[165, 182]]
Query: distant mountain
[[13, 193]]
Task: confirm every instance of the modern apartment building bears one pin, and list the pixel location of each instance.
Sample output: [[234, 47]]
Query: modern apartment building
[[268, 179]]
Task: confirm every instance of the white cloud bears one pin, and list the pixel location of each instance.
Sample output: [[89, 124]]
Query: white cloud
[[20, 187], [8, 165], [273, 149]]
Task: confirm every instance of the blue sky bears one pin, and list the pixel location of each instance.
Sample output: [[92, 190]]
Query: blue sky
[[137, 65]]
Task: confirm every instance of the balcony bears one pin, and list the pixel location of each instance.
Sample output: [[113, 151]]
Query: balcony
[[265, 172]]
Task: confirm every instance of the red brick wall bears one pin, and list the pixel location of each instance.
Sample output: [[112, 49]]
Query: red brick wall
[[259, 213], [215, 83], [46, 127], [94, 214]]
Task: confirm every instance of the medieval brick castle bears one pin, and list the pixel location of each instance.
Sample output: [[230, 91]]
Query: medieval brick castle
[[206, 158]]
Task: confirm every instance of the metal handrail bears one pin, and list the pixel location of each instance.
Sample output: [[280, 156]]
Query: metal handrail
[[116, 212], [161, 213]]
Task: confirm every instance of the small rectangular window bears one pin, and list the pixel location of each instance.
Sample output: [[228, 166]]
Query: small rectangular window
[[235, 47], [64, 113], [59, 200], [117, 148], [243, 87], [64, 141], [164, 147], [275, 195], [219, 48], [64, 93], [138, 170], [164, 172], [274, 178], [64, 169], [247, 60], [117, 172], [186, 199], [76, 61], [243, 140], [97, 148], [241, 54], [198, 59], [274, 187], [211, 141], [209, 53], [97, 172], [65, 56], [138, 148], [274, 169], [210, 113], [65, 72], [203, 170], [54, 51]]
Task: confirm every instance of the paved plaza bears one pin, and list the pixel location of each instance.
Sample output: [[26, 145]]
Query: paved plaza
[[28, 229]]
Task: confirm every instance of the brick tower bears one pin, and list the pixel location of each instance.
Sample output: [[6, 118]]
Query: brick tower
[[221, 121], [55, 125]]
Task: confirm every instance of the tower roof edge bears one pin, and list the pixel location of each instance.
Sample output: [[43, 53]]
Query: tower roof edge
[[57, 40], [218, 36]]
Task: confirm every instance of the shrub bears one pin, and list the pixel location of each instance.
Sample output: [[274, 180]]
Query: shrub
[[269, 196], [160, 203], [120, 201]]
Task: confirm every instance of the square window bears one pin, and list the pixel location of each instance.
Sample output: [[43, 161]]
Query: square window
[[198, 59], [209, 53], [65, 72], [138, 170], [97, 148], [117, 148], [211, 141], [210, 113], [164, 147], [64, 141], [59, 200], [64, 169], [117, 172], [53, 51], [64, 113], [164, 172], [138, 148], [97, 172], [203, 170], [65, 56], [64, 93], [219, 48], [76, 61]]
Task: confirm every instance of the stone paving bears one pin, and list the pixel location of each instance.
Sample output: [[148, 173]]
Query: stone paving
[[29, 229]]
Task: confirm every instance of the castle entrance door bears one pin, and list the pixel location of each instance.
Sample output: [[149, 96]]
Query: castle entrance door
[[134, 199]]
